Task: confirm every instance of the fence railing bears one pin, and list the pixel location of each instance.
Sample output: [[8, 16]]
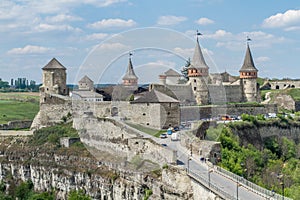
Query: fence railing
[[214, 188], [255, 188]]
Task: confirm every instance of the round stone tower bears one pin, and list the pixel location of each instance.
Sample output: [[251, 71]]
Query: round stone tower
[[54, 78], [248, 76], [198, 76]]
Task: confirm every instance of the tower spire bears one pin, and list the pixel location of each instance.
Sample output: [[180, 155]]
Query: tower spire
[[130, 79], [198, 59], [248, 64]]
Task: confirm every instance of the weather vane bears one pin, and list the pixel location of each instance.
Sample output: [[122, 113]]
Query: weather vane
[[248, 39], [198, 34]]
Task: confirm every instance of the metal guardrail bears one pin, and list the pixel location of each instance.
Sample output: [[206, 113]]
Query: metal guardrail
[[255, 188], [210, 185]]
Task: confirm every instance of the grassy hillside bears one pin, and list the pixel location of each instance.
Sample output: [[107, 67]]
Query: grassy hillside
[[295, 93], [18, 106]]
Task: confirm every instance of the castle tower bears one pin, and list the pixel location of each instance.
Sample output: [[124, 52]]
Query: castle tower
[[86, 84], [130, 79], [198, 76], [248, 76], [54, 78]]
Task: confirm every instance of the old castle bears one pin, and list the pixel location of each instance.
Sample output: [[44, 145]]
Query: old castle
[[204, 88], [163, 105]]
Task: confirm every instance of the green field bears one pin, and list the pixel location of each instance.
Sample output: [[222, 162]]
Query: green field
[[18, 106]]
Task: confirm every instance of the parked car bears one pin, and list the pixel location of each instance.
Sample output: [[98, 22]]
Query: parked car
[[163, 135], [174, 136]]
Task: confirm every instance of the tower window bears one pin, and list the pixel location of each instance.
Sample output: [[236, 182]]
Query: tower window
[[195, 88], [195, 81]]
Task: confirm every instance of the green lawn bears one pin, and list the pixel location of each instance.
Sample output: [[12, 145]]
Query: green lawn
[[15, 106], [20, 96], [295, 93], [150, 131]]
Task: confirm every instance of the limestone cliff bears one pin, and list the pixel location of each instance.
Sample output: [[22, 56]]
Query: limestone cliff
[[63, 169]]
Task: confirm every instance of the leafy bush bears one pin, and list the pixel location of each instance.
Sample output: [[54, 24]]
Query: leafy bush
[[148, 193], [262, 166], [52, 134], [78, 195]]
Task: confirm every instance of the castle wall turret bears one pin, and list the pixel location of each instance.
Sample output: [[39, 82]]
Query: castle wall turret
[[248, 76], [198, 76]]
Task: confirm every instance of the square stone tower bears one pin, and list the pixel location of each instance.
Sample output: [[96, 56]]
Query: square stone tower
[[54, 78]]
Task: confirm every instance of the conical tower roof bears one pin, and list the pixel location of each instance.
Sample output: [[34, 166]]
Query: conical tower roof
[[130, 72], [198, 59], [85, 79], [54, 64], [248, 62]]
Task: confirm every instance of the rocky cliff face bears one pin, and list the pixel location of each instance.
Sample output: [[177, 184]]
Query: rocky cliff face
[[64, 169], [256, 133]]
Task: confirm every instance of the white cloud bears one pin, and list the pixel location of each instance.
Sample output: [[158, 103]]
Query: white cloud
[[96, 36], [292, 28], [43, 27], [204, 21], [9, 9], [112, 46], [238, 41], [219, 34], [30, 49], [263, 59], [186, 53], [104, 3], [111, 23], [62, 18], [170, 20], [288, 18]]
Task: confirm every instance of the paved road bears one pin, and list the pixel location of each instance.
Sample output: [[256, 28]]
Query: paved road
[[210, 174], [206, 172]]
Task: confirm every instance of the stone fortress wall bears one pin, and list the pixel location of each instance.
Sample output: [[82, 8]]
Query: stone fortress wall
[[225, 93], [120, 141], [19, 124], [192, 113], [282, 84], [153, 115]]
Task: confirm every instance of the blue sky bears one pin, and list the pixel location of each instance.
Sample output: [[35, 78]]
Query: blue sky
[[94, 37]]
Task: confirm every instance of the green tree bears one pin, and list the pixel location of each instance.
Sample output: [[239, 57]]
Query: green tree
[[24, 190], [43, 196], [184, 70], [288, 148], [78, 195]]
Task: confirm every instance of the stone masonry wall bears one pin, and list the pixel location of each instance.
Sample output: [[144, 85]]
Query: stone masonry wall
[[109, 136], [21, 124], [192, 113]]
